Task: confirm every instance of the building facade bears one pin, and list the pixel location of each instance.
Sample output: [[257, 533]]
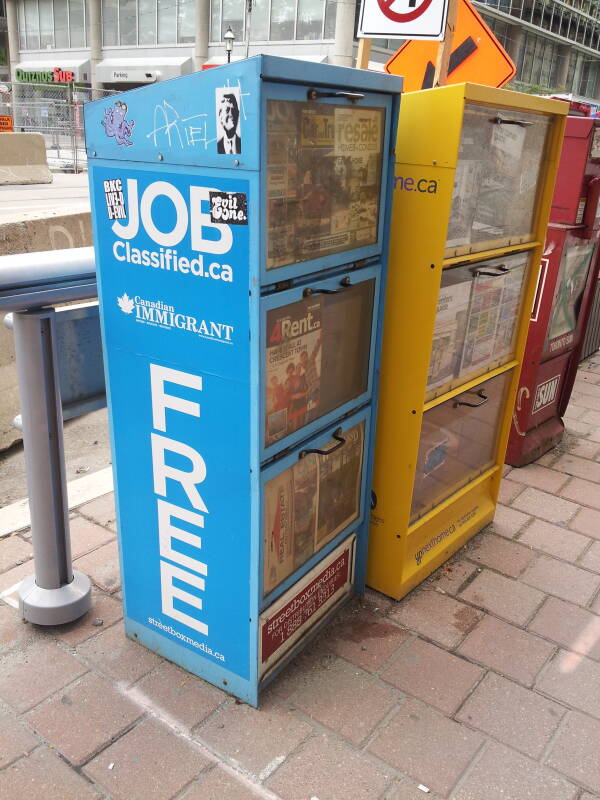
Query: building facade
[[4, 67], [123, 43]]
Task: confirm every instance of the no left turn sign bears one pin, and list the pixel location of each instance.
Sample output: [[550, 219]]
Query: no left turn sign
[[403, 19], [401, 16]]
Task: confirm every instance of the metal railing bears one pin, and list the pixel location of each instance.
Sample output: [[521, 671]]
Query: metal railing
[[55, 111], [30, 285]]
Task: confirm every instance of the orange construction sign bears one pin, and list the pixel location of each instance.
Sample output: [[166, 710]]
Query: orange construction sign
[[6, 122], [477, 56]]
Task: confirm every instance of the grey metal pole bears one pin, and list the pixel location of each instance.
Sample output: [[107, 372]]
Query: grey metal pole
[[202, 27], [56, 593]]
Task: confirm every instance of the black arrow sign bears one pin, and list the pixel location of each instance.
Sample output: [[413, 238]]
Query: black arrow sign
[[462, 52]]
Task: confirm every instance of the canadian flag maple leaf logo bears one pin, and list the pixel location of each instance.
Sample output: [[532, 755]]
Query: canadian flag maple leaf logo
[[126, 304]]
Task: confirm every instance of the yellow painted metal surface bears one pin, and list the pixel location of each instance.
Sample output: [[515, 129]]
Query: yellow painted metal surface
[[401, 553]]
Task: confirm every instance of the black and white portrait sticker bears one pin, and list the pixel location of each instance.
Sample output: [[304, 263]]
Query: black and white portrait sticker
[[115, 201], [229, 134], [230, 208]]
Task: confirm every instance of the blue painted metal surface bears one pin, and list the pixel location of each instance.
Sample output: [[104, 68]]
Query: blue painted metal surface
[[179, 229]]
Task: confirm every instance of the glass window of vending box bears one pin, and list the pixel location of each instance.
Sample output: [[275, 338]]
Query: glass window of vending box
[[459, 295], [240, 219], [573, 272]]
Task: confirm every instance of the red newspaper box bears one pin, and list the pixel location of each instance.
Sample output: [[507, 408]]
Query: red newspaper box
[[567, 277]]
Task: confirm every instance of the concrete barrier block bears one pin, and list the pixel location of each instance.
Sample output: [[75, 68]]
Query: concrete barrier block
[[23, 159]]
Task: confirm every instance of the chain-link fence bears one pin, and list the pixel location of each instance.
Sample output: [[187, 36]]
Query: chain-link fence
[[57, 113]]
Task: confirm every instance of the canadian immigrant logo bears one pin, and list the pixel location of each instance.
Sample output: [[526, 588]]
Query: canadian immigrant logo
[[162, 315]]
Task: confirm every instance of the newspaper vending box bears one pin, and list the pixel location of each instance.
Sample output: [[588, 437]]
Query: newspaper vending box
[[565, 292], [240, 218], [469, 216]]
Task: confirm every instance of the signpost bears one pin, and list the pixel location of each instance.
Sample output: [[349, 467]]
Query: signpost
[[467, 50], [470, 52]]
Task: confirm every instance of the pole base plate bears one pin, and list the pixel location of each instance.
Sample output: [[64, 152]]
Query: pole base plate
[[55, 606]]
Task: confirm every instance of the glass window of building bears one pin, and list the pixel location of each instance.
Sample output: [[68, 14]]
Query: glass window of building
[[166, 22], [588, 83], [283, 13], [45, 24], [21, 18], [32, 25], [77, 23], [310, 19], [233, 16], [147, 21], [259, 21], [110, 24], [61, 23], [215, 21], [186, 12], [274, 20], [127, 22], [330, 12]]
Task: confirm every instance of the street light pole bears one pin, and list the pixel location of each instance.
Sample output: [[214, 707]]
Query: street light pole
[[229, 37]]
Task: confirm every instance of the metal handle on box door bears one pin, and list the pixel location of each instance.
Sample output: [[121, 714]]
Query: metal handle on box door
[[502, 269], [337, 435], [344, 283], [352, 97], [499, 120], [480, 393]]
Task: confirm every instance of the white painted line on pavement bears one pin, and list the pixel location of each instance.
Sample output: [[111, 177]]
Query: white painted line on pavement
[[16, 516], [6, 595]]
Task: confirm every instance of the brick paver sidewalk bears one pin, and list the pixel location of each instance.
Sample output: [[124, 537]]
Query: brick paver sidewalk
[[483, 684]]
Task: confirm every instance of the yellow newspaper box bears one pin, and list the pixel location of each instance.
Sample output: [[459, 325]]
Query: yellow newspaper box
[[473, 185]]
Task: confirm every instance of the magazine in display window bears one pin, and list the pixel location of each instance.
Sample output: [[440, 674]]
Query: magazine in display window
[[508, 315], [493, 314], [449, 333], [468, 175], [498, 188], [293, 368], [323, 179], [476, 319], [279, 548], [339, 487], [309, 503], [317, 357]]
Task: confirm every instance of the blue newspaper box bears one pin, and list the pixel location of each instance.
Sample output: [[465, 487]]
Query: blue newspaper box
[[240, 222]]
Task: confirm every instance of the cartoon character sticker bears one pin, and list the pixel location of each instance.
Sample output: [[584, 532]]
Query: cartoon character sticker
[[115, 125]]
